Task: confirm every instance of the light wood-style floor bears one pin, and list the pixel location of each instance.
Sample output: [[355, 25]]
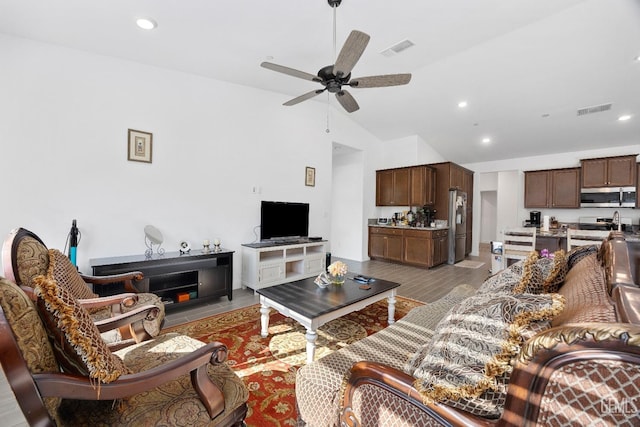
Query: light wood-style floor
[[417, 283]]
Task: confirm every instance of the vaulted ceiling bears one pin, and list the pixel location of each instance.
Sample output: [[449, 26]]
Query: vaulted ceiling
[[524, 67]]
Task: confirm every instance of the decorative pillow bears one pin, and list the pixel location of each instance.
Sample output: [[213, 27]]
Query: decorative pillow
[[531, 281], [554, 271], [75, 338], [576, 254], [66, 274], [467, 362], [504, 281]]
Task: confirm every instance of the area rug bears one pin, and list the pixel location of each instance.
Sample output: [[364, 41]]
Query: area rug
[[268, 366], [469, 264]]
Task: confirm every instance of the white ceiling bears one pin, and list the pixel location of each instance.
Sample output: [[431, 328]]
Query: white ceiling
[[512, 61]]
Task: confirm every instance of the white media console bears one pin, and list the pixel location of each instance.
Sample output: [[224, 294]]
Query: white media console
[[268, 264]]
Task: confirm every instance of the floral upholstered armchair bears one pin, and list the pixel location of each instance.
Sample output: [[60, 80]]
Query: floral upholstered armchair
[[25, 256], [62, 373]]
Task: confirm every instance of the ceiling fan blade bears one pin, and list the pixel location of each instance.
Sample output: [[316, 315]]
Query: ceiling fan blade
[[381, 81], [304, 97], [347, 101], [290, 71], [350, 53]]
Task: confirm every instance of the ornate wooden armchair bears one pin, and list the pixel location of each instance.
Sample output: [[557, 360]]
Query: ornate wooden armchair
[[62, 373], [25, 256]]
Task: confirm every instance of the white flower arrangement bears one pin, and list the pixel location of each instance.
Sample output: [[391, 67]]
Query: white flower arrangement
[[338, 268]]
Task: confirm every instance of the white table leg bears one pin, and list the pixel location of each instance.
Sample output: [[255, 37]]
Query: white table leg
[[392, 308], [264, 320], [311, 336]]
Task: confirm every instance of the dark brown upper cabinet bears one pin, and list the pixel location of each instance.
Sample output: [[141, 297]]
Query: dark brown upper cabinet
[[617, 171]]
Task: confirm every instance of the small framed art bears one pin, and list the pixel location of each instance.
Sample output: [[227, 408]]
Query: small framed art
[[140, 146], [310, 177]]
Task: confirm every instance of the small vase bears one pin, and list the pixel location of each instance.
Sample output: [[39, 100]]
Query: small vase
[[337, 279]]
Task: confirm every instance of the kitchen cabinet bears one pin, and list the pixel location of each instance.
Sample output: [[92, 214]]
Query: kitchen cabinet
[[385, 243], [392, 187], [422, 186], [619, 171], [418, 248], [413, 246], [553, 188], [440, 247]]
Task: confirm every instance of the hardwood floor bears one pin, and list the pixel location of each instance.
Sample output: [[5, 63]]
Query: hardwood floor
[[417, 283]]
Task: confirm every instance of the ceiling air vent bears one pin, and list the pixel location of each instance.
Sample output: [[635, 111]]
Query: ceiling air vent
[[594, 109], [398, 47]]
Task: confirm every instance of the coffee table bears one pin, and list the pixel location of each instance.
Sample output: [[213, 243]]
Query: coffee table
[[312, 306]]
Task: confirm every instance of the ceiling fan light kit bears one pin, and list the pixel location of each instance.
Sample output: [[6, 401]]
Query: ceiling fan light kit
[[334, 77]]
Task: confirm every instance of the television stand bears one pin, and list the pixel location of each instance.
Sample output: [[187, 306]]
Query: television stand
[[267, 264]]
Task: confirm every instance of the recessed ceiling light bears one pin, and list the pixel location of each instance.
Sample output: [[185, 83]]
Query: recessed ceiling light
[[146, 23], [486, 140], [462, 104], [637, 58], [624, 118]]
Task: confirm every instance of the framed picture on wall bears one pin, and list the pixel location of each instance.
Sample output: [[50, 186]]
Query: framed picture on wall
[[140, 145], [310, 177]]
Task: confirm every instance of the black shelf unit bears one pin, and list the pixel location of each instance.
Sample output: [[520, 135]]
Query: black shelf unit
[[203, 275]]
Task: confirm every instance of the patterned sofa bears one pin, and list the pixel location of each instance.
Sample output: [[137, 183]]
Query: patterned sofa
[[544, 342]]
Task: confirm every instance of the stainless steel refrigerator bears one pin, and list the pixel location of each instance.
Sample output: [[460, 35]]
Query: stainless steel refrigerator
[[457, 225]]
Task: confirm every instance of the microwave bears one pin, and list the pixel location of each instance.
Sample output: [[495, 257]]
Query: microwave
[[608, 197]]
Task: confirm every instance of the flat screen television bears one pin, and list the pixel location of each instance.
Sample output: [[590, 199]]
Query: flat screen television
[[283, 220]]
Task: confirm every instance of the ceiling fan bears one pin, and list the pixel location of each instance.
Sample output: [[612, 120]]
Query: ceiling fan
[[334, 77]]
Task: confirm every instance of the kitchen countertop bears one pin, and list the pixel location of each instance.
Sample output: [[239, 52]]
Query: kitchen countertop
[[408, 227]]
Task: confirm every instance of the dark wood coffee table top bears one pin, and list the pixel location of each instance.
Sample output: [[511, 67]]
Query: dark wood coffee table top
[[308, 299]]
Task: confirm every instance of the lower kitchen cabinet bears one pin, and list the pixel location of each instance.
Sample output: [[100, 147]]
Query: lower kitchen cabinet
[[385, 243], [419, 247]]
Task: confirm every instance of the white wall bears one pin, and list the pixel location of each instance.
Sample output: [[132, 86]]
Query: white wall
[[63, 138], [347, 233]]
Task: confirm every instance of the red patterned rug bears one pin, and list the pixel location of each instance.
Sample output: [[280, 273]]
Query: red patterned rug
[[268, 365]]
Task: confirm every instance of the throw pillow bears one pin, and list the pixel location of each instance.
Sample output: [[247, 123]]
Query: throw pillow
[[75, 338], [468, 358], [66, 274], [576, 254], [531, 281], [554, 271], [503, 281]]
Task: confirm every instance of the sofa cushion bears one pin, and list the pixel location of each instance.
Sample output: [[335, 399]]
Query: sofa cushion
[[76, 340], [174, 403], [585, 291], [466, 363]]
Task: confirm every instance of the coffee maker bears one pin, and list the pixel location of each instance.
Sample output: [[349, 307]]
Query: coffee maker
[[534, 219], [429, 216]]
